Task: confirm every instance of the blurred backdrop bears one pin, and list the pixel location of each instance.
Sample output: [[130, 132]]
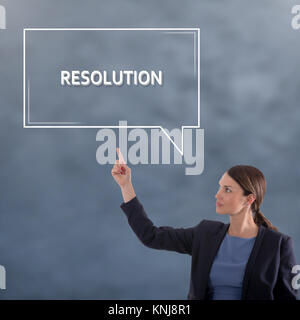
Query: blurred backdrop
[[62, 232]]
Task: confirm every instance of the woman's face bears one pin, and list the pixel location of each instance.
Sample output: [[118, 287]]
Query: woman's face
[[230, 198]]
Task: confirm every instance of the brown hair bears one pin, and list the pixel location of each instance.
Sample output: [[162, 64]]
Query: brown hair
[[252, 181]]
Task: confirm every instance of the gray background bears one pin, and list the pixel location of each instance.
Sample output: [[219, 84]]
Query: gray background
[[62, 232]]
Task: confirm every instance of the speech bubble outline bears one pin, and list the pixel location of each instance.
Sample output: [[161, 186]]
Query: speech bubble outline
[[26, 98]]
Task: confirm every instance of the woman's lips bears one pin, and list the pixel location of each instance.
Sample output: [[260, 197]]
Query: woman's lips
[[218, 204]]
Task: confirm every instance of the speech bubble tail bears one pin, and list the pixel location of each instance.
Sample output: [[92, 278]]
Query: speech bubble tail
[[179, 148]]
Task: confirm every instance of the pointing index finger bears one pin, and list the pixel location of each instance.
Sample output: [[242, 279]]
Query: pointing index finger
[[121, 158]]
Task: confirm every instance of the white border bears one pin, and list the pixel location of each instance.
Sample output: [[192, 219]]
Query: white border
[[108, 29]]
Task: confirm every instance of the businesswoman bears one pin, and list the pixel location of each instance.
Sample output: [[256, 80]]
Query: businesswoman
[[246, 259]]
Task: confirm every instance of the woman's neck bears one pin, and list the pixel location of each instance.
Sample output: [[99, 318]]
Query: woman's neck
[[242, 225]]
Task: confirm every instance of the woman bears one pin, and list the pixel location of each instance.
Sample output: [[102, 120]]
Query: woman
[[246, 259]]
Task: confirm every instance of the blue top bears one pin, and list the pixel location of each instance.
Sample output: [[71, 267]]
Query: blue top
[[227, 272]]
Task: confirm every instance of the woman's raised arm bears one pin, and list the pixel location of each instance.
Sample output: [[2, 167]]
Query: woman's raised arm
[[163, 238]]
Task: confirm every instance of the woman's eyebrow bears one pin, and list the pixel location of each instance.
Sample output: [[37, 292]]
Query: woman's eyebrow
[[225, 186]]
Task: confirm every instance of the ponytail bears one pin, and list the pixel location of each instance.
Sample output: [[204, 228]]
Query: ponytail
[[260, 219]]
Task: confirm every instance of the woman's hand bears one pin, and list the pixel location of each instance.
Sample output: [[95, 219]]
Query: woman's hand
[[122, 175], [120, 171]]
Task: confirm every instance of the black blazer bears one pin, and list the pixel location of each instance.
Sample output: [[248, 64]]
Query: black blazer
[[268, 271]]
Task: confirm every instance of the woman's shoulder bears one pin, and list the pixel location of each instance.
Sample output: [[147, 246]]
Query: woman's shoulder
[[276, 234], [211, 225], [215, 225], [212, 222]]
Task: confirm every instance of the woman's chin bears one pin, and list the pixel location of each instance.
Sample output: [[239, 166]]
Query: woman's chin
[[219, 211]]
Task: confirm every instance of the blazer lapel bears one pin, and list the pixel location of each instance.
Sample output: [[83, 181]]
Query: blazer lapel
[[213, 242], [251, 260]]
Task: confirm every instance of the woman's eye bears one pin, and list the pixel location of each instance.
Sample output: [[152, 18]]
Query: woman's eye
[[226, 189]]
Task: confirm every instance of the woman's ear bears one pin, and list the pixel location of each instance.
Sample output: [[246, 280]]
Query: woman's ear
[[251, 198]]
